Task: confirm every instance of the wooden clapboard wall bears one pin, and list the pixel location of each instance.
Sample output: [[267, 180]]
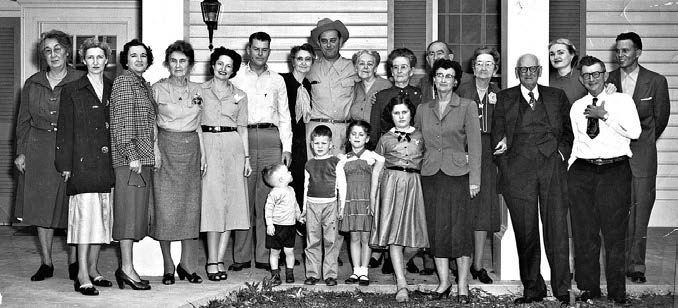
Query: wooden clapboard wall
[[656, 21], [289, 23]]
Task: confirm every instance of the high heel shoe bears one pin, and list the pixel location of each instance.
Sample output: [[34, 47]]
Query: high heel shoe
[[435, 295], [43, 272], [85, 289], [212, 276], [168, 279], [480, 275], [374, 263], [121, 278], [183, 273], [100, 281]]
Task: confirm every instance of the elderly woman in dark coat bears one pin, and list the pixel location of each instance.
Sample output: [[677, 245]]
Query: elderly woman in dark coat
[[41, 196], [84, 159], [133, 117]]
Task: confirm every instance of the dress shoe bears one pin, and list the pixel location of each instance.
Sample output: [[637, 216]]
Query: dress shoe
[[43, 272], [622, 301], [73, 271], [480, 275], [435, 295], [183, 273], [289, 275], [527, 300], [237, 266], [122, 279], [374, 263], [100, 281], [588, 295], [85, 289], [427, 271], [213, 276], [331, 282], [411, 267], [275, 278], [351, 279], [262, 265], [638, 277], [564, 300], [168, 278], [222, 274], [311, 281], [363, 281]]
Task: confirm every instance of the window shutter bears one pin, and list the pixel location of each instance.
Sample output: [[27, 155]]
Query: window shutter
[[9, 28], [566, 21], [410, 27]]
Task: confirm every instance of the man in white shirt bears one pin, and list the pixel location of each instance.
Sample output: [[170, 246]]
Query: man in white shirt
[[270, 141], [599, 181]]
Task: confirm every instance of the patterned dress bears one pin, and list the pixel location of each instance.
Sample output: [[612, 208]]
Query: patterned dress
[[358, 170]]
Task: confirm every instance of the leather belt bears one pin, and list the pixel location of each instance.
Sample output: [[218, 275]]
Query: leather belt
[[331, 121], [261, 125], [217, 129], [605, 161], [398, 168]]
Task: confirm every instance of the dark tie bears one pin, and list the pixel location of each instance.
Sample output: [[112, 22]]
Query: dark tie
[[592, 128], [532, 100]]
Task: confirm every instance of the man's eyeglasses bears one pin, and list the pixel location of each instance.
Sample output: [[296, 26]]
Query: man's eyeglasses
[[441, 76], [524, 69], [588, 76]]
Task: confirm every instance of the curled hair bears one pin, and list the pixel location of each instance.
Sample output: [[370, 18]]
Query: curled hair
[[400, 52], [634, 37], [268, 172], [366, 127], [590, 61], [223, 51], [373, 53], [321, 131], [401, 99], [305, 47], [130, 44], [64, 39], [486, 51], [259, 36], [570, 48], [94, 43], [447, 64], [183, 47]]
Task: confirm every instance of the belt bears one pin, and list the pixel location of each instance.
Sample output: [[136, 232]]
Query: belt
[[330, 121], [261, 125], [410, 170], [605, 161], [217, 129]]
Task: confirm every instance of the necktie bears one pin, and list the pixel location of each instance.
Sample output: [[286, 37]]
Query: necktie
[[532, 100], [592, 128]]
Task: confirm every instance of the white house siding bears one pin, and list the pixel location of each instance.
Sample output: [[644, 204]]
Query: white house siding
[[656, 21], [289, 23]]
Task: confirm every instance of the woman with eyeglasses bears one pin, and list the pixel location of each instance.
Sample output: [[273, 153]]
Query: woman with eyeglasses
[[564, 73], [366, 63], [484, 207], [450, 175]]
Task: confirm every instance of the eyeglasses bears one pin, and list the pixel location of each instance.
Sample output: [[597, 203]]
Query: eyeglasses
[[441, 76], [302, 59], [588, 76], [524, 69], [403, 67], [484, 64]]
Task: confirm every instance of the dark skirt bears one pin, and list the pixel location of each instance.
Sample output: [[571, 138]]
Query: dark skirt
[[175, 214], [448, 203], [41, 194], [132, 194], [485, 206]]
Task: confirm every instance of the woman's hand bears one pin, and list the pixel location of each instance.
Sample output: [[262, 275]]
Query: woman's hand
[[135, 166], [203, 165], [66, 175], [248, 168], [20, 163], [474, 189]]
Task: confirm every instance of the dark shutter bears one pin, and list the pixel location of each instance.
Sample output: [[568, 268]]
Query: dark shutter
[[567, 20], [9, 83], [410, 27]]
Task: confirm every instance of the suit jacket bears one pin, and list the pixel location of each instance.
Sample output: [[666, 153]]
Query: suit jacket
[[506, 115], [651, 96], [82, 139]]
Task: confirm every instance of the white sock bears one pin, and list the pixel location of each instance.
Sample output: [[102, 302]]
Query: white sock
[[356, 270]]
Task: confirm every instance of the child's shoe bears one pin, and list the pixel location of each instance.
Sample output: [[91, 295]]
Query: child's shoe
[[275, 278], [289, 275]]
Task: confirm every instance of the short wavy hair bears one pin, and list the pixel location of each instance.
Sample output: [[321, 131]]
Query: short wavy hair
[[400, 99], [485, 50], [94, 43], [269, 171], [305, 47], [591, 61], [570, 48], [400, 52], [373, 53], [183, 47], [223, 51], [366, 127], [447, 64], [63, 38], [634, 37], [130, 44]]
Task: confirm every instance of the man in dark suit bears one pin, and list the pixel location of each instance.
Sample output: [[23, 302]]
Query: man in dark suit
[[651, 94], [533, 137]]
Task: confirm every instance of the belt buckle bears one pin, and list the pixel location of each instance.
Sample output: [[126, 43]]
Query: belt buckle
[[598, 161], [217, 128]]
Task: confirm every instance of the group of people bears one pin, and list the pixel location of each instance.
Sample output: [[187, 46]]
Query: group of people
[[395, 164]]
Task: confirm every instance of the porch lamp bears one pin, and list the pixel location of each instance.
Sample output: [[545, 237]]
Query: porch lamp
[[210, 15]]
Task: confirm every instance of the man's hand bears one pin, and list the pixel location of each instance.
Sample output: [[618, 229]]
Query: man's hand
[[596, 112], [135, 166], [501, 147], [66, 175], [248, 167], [286, 158], [474, 190], [270, 230]]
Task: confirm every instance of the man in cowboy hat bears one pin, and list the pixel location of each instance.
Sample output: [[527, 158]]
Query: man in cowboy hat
[[332, 78]]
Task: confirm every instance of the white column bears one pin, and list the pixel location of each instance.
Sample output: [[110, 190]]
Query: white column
[[162, 23], [526, 31]]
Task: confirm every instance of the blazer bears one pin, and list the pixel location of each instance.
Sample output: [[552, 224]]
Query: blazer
[[557, 106], [82, 138], [448, 136], [468, 90], [651, 96]]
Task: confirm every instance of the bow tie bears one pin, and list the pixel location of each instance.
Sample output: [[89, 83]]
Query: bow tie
[[403, 135]]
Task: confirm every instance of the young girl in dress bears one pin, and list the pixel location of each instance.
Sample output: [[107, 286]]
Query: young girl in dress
[[360, 197], [400, 218]]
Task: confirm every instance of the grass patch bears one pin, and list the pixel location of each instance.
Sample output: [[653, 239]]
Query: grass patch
[[261, 294]]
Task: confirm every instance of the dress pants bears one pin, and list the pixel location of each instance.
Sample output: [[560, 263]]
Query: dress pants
[[600, 197], [265, 149], [535, 188], [643, 194], [322, 246]]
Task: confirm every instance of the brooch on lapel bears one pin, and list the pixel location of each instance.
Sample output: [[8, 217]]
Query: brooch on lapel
[[197, 99], [492, 98]]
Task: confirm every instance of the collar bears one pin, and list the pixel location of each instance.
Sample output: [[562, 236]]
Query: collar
[[524, 91], [249, 69], [409, 130], [633, 75]]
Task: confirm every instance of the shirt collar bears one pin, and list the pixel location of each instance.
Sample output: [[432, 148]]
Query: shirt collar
[[249, 69], [525, 92], [633, 75]]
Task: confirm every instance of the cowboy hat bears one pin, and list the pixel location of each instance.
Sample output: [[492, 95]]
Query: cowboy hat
[[327, 24]]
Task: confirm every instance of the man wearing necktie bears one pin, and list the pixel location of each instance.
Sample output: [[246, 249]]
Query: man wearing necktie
[[532, 137], [650, 93], [599, 181]]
